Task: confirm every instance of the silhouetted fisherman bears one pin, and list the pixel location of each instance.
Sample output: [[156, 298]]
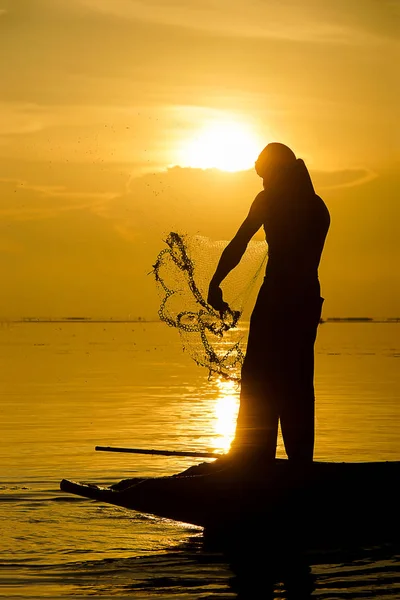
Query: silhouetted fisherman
[[278, 371]]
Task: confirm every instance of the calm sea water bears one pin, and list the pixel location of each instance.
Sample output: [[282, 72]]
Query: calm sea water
[[68, 387]]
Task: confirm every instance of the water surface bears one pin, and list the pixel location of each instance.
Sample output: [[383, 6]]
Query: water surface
[[67, 387]]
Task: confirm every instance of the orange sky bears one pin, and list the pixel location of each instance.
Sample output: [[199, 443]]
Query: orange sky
[[100, 98]]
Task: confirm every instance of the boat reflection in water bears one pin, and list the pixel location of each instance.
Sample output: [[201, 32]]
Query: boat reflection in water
[[267, 567], [258, 575], [250, 569]]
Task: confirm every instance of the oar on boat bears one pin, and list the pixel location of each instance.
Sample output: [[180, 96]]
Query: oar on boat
[[159, 452]]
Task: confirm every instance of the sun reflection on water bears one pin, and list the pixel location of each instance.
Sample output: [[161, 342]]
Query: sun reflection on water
[[226, 409]]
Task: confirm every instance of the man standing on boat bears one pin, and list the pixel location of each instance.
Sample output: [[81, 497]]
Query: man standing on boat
[[277, 381]]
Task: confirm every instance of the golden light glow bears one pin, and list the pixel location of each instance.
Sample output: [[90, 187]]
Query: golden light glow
[[224, 145], [226, 410]]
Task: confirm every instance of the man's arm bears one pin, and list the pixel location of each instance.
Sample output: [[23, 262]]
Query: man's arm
[[234, 251]]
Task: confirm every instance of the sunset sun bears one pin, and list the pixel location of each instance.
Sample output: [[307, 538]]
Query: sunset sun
[[228, 146]]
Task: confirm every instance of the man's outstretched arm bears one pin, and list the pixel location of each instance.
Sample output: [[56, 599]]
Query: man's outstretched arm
[[234, 251]]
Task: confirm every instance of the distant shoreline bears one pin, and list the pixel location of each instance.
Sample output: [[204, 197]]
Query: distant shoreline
[[138, 321], [360, 320], [73, 321]]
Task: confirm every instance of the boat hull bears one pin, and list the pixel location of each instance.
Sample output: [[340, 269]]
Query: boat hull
[[334, 500]]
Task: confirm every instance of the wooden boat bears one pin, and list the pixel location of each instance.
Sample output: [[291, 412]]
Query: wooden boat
[[323, 501]]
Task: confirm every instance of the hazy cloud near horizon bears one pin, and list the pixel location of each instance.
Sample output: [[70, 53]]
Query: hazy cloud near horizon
[[93, 256], [156, 195]]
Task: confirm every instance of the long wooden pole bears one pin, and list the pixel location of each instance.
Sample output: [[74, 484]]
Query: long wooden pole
[[159, 452]]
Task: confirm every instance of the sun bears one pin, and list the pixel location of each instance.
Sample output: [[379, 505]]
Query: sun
[[225, 145]]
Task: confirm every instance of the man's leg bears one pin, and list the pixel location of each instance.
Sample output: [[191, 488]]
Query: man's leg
[[257, 423], [297, 408], [297, 424]]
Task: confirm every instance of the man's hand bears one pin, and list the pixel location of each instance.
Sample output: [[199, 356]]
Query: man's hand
[[216, 300]]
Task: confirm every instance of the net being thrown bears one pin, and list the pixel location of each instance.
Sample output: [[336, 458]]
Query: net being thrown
[[182, 272]]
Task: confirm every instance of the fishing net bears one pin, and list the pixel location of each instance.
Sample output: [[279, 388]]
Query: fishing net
[[182, 271]]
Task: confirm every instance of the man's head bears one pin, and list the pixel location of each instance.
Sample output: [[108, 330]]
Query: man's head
[[274, 156]]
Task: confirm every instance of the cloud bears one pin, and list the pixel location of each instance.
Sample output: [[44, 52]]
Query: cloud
[[21, 201], [195, 201], [192, 200], [84, 134], [63, 252], [18, 119], [298, 21], [331, 180]]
